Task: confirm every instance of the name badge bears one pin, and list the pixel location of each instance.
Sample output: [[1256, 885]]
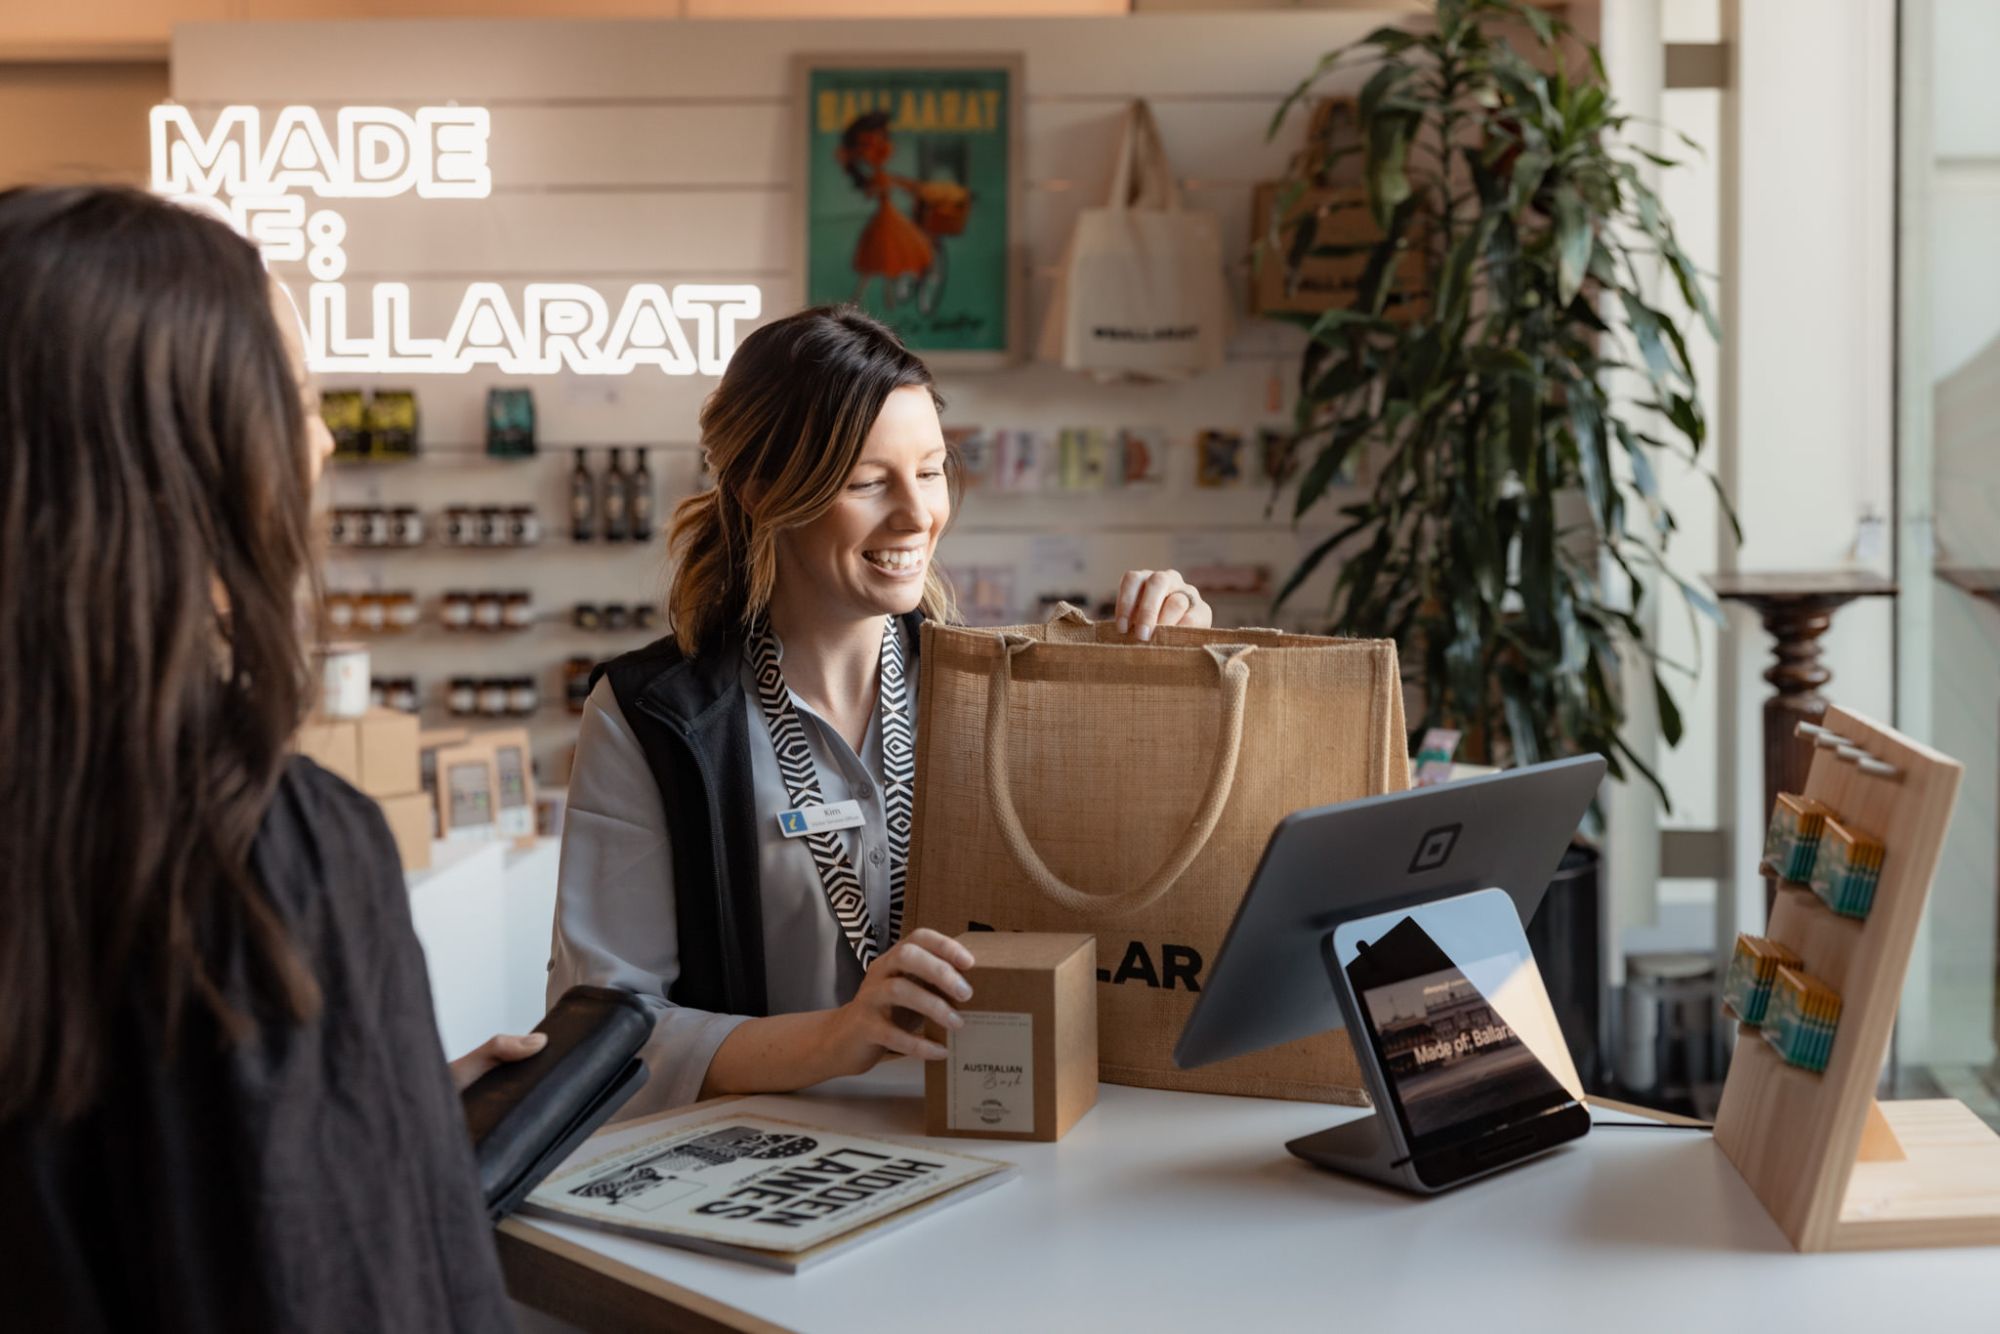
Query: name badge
[[818, 819]]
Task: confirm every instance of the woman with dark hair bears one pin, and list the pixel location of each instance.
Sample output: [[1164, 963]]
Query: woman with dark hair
[[222, 1103], [770, 954]]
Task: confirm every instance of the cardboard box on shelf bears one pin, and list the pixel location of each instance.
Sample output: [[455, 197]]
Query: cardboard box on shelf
[[413, 820], [386, 740], [333, 746], [1024, 1066]]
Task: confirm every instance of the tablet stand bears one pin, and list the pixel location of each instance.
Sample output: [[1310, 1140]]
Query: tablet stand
[[1359, 1148], [1367, 1147]]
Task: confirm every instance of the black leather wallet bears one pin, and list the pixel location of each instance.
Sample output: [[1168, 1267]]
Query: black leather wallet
[[527, 1116]]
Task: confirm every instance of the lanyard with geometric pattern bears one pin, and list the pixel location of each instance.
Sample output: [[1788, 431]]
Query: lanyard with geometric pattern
[[795, 765]]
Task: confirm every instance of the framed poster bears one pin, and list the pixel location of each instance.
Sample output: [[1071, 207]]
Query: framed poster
[[910, 167]]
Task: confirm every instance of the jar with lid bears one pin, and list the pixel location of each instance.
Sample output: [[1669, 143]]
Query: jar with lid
[[458, 525], [523, 696], [463, 697], [369, 613], [401, 693], [524, 526], [376, 528], [616, 617], [401, 612], [340, 611], [340, 528], [576, 682], [489, 527], [378, 692], [519, 611], [644, 616], [489, 609], [406, 525], [458, 610], [587, 617], [493, 697]]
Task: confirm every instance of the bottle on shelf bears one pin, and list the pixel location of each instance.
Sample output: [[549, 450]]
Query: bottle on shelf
[[582, 501], [612, 502], [640, 508]]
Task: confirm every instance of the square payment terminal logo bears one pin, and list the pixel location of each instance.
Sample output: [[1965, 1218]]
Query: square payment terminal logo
[[1434, 848]]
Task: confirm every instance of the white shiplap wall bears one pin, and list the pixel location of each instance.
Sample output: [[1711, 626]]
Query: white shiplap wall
[[662, 151]]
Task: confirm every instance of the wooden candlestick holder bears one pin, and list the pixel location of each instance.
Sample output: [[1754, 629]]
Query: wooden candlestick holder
[[1836, 1169]]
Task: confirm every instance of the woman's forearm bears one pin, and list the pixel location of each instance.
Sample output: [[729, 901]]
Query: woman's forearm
[[774, 1055]]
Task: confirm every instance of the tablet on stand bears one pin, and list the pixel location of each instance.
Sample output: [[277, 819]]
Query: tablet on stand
[[1403, 917]]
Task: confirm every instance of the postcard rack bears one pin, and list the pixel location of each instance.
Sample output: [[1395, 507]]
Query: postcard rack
[[1836, 1169]]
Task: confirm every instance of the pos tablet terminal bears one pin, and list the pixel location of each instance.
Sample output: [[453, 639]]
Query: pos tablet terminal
[[1402, 916]]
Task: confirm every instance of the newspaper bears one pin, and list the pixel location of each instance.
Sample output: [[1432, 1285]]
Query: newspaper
[[759, 1189]]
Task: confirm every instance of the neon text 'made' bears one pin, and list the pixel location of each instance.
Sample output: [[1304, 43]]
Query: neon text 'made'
[[258, 180]]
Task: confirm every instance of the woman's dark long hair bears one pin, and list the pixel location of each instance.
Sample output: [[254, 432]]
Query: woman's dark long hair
[[155, 497]]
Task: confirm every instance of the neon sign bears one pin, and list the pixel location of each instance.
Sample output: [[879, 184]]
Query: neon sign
[[258, 182]]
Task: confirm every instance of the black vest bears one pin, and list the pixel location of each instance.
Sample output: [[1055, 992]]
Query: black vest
[[692, 722]]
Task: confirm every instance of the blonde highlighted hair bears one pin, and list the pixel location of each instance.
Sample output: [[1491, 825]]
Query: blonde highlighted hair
[[781, 434]]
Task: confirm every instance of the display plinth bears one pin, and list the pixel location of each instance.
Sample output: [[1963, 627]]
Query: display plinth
[[1836, 1170]]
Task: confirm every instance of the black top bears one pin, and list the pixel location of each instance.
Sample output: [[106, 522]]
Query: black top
[[317, 1177], [690, 719]]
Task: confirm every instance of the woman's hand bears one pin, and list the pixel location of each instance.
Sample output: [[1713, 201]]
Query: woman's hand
[[916, 980], [500, 1049], [1149, 598]]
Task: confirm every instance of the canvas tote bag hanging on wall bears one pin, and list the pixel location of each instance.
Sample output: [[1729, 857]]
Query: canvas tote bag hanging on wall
[[1070, 779], [1141, 293]]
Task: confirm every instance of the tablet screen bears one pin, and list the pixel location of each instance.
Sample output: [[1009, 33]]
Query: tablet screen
[[1461, 1025]]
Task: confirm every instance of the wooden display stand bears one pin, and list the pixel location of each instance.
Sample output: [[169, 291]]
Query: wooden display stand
[[1837, 1170]]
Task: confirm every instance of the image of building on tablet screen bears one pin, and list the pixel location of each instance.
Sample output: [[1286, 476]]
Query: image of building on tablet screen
[[1451, 1057]]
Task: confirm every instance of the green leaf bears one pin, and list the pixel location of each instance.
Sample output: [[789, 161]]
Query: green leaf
[[1388, 181], [1573, 241], [1670, 713]]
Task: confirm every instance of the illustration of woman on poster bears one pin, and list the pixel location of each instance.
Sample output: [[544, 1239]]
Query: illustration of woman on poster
[[891, 247]]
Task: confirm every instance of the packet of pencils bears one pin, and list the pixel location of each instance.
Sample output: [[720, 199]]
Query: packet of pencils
[[1803, 1016], [1792, 842], [1746, 988], [1847, 869]]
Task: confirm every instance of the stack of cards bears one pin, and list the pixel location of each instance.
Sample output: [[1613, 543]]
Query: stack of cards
[[1804, 1013], [1792, 842], [1847, 869], [1746, 990]]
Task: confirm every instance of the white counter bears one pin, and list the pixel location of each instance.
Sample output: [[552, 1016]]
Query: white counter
[[483, 912]]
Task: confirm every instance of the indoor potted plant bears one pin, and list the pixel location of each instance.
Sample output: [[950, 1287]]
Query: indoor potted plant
[[1504, 232], [1480, 289]]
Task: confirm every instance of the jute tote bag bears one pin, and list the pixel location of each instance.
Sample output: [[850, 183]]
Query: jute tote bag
[[1142, 292], [1069, 779]]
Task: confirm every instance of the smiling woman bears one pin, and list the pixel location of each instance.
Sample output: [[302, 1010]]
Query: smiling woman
[[739, 812]]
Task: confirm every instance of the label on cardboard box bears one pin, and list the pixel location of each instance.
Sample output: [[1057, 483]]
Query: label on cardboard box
[[990, 1073]]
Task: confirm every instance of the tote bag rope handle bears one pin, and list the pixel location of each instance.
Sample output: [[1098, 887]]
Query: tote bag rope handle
[[1233, 672]]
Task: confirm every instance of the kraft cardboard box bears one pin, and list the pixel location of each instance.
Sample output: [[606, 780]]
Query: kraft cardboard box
[[1024, 1066], [386, 740], [412, 819], [333, 746]]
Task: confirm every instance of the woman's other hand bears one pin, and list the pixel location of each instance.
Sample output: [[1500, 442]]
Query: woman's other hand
[[1149, 598], [917, 980], [500, 1049]]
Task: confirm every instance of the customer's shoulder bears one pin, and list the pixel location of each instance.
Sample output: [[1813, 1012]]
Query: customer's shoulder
[[318, 820]]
